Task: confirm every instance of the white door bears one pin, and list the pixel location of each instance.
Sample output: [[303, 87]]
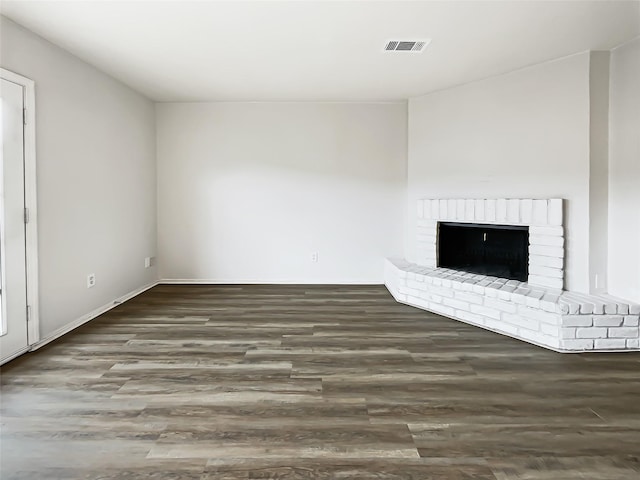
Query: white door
[[13, 278]]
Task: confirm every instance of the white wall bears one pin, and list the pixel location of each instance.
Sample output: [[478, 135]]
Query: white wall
[[624, 172], [519, 135], [247, 191], [598, 170], [96, 179]]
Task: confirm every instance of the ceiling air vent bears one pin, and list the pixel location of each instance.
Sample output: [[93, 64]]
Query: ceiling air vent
[[406, 45]]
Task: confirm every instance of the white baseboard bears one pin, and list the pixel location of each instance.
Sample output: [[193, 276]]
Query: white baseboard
[[89, 316], [235, 281]]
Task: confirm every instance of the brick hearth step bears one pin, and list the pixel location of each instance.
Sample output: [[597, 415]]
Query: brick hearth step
[[552, 318]]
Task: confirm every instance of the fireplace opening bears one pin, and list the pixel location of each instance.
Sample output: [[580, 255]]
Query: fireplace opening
[[496, 250]]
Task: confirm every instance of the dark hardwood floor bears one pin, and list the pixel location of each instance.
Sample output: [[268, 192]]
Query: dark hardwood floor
[[306, 382]]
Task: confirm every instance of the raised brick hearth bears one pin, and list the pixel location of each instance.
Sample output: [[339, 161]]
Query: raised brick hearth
[[537, 311]]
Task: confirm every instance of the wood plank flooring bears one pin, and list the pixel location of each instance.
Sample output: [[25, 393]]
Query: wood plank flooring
[[311, 382]]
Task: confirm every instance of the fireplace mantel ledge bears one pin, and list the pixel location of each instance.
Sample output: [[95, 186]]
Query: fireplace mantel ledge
[[553, 318]]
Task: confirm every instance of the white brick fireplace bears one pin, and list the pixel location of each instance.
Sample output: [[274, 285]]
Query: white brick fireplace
[[543, 217], [538, 311]]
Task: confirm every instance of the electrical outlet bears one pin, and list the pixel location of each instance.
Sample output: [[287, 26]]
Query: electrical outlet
[[314, 257], [91, 280]]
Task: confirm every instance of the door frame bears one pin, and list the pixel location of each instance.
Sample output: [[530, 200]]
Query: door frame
[[30, 201]]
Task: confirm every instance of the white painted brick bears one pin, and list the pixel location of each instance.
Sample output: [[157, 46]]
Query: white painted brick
[[501, 327], [540, 212], [598, 308], [426, 209], [542, 261], [443, 291], [546, 271], [587, 308], [536, 314], [555, 211], [410, 291], [487, 312], [444, 208], [591, 332], [503, 306], [412, 284], [430, 262], [469, 297], [418, 302], [577, 345], [470, 317], [546, 251], [623, 332], [610, 308], [452, 208], [546, 240], [457, 304], [431, 240], [634, 308], [505, 293], [501, 210], [435, 209], [608, 320], [526, 211], [426, 240], [551, 330], [460, 209], [546, 281], [469, 210], [556, 231], [513, 211], [549, 303], [432, 297], [541, 339], [467, 286], [536, 292], [420, 208], [609, 343], [519, 299], [441, 309], [479, 210], [490, 210], [532, 302], [520, 321], [577, 320], [429, 226], [622, 308], [416, 285], [491, 292]]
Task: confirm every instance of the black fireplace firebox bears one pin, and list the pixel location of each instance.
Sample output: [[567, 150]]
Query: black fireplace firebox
[[496, 250]]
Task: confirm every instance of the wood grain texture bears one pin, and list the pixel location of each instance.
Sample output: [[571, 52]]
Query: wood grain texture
[[311, 382]]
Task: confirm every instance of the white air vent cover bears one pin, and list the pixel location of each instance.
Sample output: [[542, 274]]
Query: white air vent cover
[[406, 45]]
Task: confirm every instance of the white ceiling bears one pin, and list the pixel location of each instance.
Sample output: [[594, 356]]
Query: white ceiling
[[321, 50]]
